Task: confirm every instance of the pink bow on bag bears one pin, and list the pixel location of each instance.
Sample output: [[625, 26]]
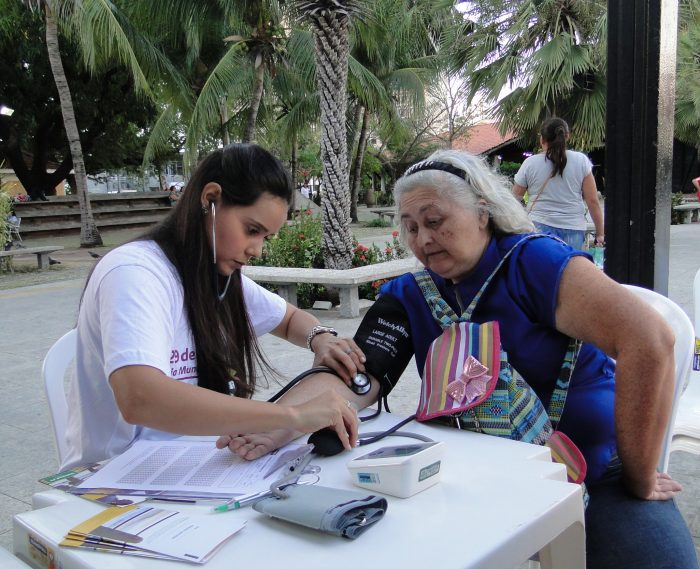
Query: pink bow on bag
[[472, 384]]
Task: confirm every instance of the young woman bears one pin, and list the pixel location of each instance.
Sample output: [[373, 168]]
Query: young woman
[[558, 182], [168, 324]]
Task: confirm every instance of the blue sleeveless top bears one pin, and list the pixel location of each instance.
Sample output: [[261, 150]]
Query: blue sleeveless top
[[522, 297]]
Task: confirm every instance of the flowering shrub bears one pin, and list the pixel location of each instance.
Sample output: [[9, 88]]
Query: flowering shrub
[[298, 244], [363, 255]]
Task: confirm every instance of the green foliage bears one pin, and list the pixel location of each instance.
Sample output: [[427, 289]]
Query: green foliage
[[5, 210], [298, 244], [676, 199], [509, 169], [111, 117], [687, 112], [362, 256], [385, 199], [554, 51], [377, 222]]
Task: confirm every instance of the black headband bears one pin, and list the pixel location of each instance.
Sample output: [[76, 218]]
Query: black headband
[[434, 165]]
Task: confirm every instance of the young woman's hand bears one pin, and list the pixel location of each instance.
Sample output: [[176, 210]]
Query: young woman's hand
[[340, 354], [329, 409]]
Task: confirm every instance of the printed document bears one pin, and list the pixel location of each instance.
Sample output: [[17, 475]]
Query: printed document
[[192, 467]]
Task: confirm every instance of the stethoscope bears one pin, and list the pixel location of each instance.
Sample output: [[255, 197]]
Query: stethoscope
[[326, 441]]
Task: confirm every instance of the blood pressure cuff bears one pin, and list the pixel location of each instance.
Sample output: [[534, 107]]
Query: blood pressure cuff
[[385, 337], [345, 513]]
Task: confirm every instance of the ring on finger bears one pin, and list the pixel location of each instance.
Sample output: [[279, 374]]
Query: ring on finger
[[348, 351]]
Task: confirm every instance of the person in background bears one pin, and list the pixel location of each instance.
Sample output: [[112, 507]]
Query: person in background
[[461, 221], [558, 182], [696, 184], [167, 326]]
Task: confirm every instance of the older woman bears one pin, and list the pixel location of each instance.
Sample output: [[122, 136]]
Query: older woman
[[461, 222]]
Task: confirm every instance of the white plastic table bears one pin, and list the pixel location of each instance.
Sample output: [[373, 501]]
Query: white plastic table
[[499, 502]]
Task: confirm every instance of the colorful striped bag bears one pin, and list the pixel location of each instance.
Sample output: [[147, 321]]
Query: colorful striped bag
[[468, 382]]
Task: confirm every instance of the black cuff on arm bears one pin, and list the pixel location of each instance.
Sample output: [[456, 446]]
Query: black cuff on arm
[[385, 337]]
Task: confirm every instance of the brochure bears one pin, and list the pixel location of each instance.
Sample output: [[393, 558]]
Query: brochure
[[146, 531]]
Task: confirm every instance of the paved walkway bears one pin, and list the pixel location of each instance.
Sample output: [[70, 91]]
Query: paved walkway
[[33, 317]]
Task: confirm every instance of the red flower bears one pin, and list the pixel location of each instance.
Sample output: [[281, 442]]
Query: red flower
[[388, 250], [362, 258], [394, 233], [308, 212]]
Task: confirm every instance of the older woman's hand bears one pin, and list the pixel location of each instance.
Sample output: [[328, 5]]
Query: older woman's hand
[[340, 354], [664, 488], [255, 445]]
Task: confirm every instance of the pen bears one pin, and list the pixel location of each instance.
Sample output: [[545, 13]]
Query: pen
[[235, 503]]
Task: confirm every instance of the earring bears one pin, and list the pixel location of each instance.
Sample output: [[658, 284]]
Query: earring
[[205, 210], [213, 230]]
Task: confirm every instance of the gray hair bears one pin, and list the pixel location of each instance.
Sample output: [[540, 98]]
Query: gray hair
[[480, 183]]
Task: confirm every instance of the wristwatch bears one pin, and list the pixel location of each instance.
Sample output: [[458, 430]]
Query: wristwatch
[[315, 331]]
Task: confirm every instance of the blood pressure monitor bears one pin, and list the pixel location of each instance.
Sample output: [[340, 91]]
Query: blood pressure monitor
[[401, 470]]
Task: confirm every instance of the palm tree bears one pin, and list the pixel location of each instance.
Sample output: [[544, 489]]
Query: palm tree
[[89, 234], [551, 53], [688, 74], [228, 52], [329, 20], [393, 44], [103, 35]]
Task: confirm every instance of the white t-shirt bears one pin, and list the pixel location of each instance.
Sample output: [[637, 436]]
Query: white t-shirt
[[132, 313], [561, 203]]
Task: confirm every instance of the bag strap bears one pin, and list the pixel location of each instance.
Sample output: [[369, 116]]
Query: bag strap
[[532, 206], [443, 313], [555, 408]]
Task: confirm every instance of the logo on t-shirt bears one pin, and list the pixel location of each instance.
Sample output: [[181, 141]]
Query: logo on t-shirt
[[183, 364]]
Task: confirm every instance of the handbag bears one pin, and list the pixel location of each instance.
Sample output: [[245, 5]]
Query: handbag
[[468, 380]]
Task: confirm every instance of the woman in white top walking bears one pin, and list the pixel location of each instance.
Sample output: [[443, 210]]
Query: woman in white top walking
[[558, 182]]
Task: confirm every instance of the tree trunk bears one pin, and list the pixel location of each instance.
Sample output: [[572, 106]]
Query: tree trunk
[[359, 158], [293, 204], [89, 235], [330, 32], [255, 98], [225, 136], [352, 149]]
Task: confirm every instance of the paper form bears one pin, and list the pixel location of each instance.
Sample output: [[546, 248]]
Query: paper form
[[191, 467]]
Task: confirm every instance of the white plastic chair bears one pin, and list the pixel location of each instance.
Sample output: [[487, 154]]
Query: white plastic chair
[[686, 429], [683, 352], [9, 561], [53, 372]]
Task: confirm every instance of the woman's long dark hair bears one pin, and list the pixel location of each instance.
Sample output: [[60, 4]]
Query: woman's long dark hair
[[554, 132], [226, 346]]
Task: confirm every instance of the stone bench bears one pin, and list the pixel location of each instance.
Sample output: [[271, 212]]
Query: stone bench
[[347, 281], [688, 211], [389, 213], [42, 254]]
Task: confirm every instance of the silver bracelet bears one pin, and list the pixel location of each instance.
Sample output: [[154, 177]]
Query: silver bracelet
[[315, 331]]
